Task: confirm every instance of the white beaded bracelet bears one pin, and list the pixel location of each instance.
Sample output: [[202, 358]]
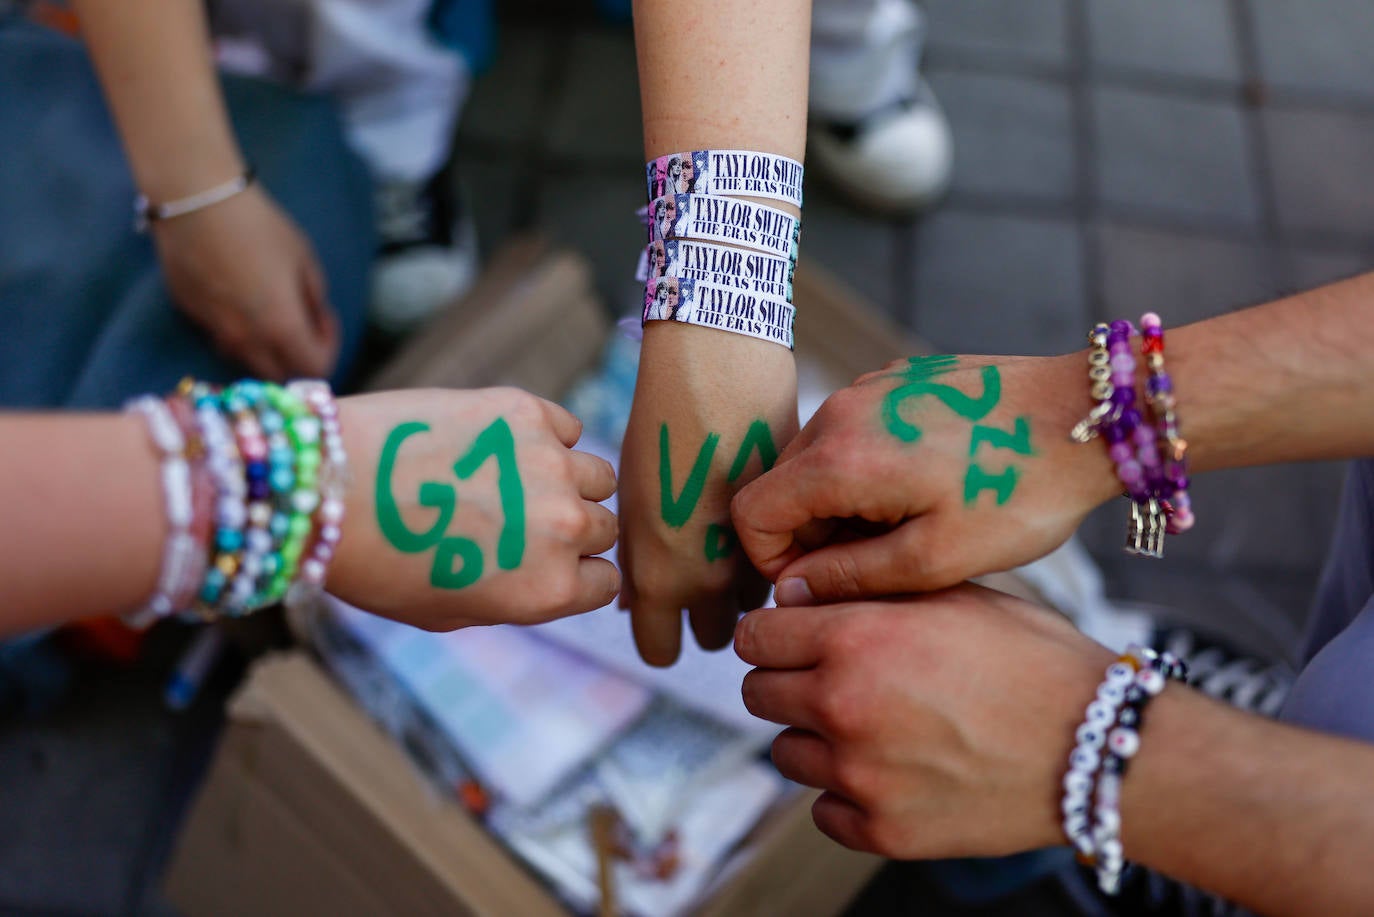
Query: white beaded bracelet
[[1106, 742], [179, 548]]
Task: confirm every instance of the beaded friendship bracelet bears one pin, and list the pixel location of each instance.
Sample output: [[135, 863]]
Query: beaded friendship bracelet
[[179, 546], [1158, 503], [1105, 744], [253, 478]]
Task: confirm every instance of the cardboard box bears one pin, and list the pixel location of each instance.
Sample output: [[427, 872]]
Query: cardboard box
[[311, 809]]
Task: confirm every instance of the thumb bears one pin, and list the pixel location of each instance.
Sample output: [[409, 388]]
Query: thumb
[[895, 562]]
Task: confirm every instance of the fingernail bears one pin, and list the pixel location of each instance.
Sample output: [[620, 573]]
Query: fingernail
[[793, 591]]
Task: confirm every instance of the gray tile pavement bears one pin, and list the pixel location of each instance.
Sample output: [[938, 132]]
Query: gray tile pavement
[[1320, 162], [1180, 38], [1169, 155], [1316, 47], [998, 32], [1014, 135], [1186, 276], [998, 283]]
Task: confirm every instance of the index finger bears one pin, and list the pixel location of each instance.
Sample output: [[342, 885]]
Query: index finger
[[781, 638], [565, 424], [768, 511]]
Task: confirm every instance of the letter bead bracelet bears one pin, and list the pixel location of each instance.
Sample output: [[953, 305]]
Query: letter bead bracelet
[[253, 488], [1104, 745]]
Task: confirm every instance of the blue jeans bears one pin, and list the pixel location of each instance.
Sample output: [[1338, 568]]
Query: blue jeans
[[85, 318]]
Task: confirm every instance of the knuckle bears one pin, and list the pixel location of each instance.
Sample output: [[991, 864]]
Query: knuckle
[[853, 778], [843, 574], [567, 522]]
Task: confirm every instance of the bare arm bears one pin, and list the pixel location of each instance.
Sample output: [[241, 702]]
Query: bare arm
[[1277, 818], [83, 519], [155, 66], [1286, 381], [719, 74], [241, 269]]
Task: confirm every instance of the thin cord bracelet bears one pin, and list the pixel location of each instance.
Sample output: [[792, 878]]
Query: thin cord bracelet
[[146, 213]]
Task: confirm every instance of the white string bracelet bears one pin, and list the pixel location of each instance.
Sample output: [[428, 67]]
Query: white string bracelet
[[732, 173], [146, 212], [707, 218], [756, 272]]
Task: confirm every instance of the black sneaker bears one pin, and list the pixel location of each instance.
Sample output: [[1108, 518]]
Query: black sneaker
[[427, 255]]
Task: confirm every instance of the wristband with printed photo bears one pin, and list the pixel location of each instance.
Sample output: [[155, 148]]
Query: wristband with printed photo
[[732, 173], [705, 218], [756, 272], [709, 305]]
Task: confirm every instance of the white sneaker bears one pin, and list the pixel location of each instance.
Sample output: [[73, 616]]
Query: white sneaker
[[896, 161], [427, 259]]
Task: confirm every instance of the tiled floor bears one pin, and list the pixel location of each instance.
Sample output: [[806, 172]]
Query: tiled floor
[[1189, 155]]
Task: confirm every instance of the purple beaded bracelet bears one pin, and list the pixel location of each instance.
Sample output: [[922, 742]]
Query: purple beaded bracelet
[[1156, 488]]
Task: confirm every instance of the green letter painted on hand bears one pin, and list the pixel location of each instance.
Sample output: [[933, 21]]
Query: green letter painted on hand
[[720, 542], [439, 496], [677, 510], [758, 437], [1017, 441], [977, 480]]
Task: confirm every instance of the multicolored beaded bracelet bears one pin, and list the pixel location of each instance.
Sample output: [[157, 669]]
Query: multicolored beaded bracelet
[[1159, 392], [252, 476]]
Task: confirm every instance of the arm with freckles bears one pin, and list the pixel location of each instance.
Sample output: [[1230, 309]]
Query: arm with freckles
[[714, 74]]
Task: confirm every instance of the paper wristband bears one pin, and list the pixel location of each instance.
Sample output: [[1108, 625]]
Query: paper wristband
[[756, 272], [733, 173], [710, 305], [723, 219]]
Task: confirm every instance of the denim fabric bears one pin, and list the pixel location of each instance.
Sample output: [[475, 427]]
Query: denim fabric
[[85, 318]]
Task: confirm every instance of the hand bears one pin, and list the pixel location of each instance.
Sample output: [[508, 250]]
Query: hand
[[243, 271], [710, 412], [938, 726], [924, 474], [471, 507]]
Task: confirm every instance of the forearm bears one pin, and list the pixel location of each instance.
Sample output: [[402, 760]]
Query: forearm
[[83, 519], [157, 71], [1276, 818], [1286, 381], [724, 75]]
